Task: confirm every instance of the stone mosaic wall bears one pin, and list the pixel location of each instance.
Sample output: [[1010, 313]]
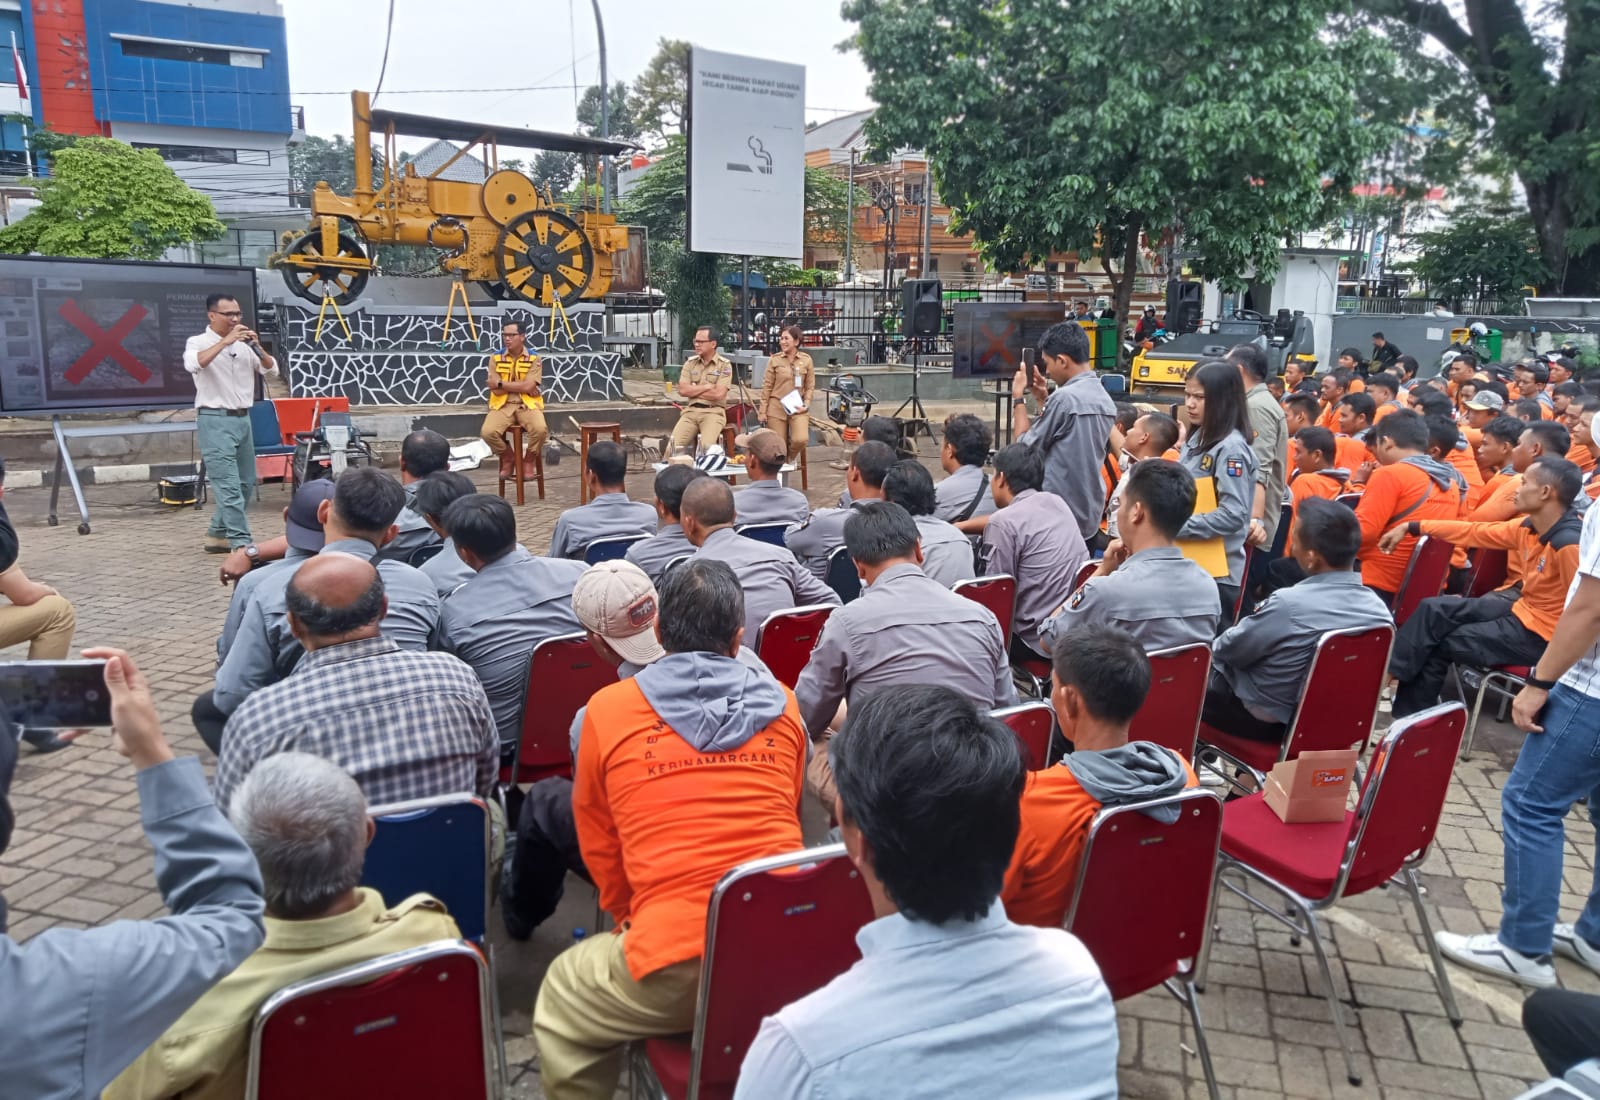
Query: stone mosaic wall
[[397, 355]]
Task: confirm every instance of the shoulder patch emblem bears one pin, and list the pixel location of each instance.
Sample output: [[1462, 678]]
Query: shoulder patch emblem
[[1077, 597], [1235, 467], [1207, 462]]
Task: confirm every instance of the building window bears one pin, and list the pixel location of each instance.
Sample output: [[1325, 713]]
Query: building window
[[202, 53], [196, 154]]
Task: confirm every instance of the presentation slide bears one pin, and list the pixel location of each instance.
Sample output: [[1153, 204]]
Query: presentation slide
[[990, 336], [93, 335]]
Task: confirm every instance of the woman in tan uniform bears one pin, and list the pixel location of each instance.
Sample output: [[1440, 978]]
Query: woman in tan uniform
[[790, 370]]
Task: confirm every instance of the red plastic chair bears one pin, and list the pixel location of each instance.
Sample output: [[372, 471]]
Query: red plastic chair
[[997, 592], [1170, 715], [786, 638], [358, 1031], [1337, 703], [562, 674], [1488, 572], [1085, 571], [778, 929], [1424, 577], [1033, 723], [1385, 839], [1142, 905]]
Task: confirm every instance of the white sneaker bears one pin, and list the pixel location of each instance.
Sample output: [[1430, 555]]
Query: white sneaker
[[1485, 952], [1573, 946]]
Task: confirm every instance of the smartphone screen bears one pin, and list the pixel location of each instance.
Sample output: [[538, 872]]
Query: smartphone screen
[[60, 695]]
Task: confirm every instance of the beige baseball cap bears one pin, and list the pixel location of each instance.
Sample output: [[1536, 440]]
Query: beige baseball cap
[[616, 600], [765, 444]]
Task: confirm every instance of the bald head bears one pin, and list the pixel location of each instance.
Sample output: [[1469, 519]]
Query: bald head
[[335, 598], [707, 505]]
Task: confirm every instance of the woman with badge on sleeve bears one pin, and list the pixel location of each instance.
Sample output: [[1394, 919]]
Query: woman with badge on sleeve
[[1218, 448], [790, 371]]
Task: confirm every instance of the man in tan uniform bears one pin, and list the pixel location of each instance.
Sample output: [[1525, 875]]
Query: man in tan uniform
[[514, 373], [703, 386]]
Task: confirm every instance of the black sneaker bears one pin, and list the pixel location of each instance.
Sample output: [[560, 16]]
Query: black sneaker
[[45, 741]]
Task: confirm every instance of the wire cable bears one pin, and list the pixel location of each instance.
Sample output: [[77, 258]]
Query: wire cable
[[388, 36]]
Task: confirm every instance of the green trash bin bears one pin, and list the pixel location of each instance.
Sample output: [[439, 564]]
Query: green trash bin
[[1105, 344], [1493, 342]]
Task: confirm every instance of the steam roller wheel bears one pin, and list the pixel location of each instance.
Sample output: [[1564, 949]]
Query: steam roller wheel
[[542, 256], [313, 281]]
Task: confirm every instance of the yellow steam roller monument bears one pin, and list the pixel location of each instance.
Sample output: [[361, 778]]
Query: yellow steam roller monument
[[501, 233]]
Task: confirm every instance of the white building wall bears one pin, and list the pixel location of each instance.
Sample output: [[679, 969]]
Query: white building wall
[[257, 184]]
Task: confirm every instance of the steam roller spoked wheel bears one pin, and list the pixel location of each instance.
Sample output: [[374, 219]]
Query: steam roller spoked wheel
[[313, 280], [542, 256]]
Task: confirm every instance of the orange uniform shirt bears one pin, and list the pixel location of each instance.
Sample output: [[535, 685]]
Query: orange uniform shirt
[[1384, 410], [1583, 456], [1498, 505], [1319, 484], [659, 822], [1350, 452], [1329, 418], [1548, 563], [1056, 812], [1392, 491]]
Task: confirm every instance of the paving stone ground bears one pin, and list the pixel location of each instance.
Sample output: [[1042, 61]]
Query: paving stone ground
[[139, 581]]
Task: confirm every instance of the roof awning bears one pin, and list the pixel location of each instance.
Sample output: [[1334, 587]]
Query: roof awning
[[453, 129]]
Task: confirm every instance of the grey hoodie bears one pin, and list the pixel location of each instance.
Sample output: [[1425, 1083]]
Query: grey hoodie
[[713, 702], [1443, 474], [1133, 772]]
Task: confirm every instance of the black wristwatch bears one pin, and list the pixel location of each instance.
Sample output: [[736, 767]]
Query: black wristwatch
[[1534, 682]]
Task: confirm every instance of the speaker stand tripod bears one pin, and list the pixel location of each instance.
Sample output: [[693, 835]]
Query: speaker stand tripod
[[918, 420]]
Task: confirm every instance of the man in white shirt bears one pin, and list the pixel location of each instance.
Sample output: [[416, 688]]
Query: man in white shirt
[[950, 997], [225, 360]]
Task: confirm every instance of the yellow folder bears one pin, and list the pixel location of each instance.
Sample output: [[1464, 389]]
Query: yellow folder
[[1206, 553]]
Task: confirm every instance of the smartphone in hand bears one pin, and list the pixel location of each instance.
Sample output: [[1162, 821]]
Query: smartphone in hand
[[55, 695]]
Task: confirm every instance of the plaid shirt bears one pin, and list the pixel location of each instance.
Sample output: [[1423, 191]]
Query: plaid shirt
[[404, 724]]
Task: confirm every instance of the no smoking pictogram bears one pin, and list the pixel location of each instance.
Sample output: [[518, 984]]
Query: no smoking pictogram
[[104, 343]]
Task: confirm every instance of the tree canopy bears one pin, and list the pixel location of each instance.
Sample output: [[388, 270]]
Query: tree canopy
[[107, 200], [661, 93], [1057, 127], [1485, 252]]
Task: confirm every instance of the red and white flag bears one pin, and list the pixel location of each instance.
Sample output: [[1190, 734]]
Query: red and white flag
[[16, 63]]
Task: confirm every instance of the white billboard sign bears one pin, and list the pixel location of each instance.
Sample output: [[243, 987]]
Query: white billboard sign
[[747, 178]]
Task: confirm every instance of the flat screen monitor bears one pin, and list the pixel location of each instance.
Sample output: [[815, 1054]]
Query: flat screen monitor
[[990, 336], [93, 335]]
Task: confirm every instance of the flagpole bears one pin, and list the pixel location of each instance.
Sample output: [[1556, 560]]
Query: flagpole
[[22, 89]]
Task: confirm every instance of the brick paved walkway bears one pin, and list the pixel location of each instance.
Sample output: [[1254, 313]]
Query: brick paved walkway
[[140, 581]]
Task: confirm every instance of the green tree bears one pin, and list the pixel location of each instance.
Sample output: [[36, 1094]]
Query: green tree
[[108, 200], [332, 159], [43, 142], [1532, 82], [661, 93], [1055, 127], [1485, 252]]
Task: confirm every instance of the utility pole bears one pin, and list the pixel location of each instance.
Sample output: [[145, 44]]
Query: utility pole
[[927, 214], [850, 218], [605, 111]]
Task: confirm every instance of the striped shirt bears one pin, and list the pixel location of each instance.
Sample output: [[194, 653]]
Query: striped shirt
[[1584, 675], [404, 724]]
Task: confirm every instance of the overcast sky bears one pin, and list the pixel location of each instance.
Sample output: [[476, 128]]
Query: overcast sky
[[535, 44]]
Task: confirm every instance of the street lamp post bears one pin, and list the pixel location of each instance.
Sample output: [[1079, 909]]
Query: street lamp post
[[605, 111], [850, 219]]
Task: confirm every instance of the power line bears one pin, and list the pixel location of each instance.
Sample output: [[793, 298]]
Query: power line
[[388, 35]]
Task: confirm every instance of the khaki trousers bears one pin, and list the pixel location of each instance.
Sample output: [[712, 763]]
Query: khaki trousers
[[532, 422], [46, 626], [699, 420], [590, 1007], [796, 430]]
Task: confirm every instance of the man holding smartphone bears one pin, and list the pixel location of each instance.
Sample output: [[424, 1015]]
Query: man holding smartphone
[[225, 359], [32, 612]]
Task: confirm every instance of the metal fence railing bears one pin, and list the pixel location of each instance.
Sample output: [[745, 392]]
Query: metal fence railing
[[868, 319], [1416, 307]]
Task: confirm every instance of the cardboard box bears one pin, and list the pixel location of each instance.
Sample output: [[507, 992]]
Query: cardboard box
[[1312, 787]]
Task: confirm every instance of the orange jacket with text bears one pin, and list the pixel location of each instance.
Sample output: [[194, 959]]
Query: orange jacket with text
[[1548, 562], [1397, 493], [660, 821], [1322, 483], [1056, 813]]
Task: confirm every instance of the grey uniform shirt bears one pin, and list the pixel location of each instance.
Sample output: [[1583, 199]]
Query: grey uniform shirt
[[954, 494], [768, 502], [1072, 431], [494, 621], [771, 577], [1264, 659], [1271, 445], [1035, 539], [947, 554], [446, 569], [79, 1005], [244, 590], [264, 650], [608, 515], [906, 628], [1231, 464], [813, 540], [1159, 596], [413, 532], [655, 553]]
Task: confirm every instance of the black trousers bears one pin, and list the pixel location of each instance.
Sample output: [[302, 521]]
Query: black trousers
[[1564, 1027], [1282, 573], [208, 720], [1446, 630], [546, 849], [1223, 712], [1228, 598]]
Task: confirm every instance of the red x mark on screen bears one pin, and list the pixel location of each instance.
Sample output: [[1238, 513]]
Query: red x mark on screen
[[998, 345], [104, 343]]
